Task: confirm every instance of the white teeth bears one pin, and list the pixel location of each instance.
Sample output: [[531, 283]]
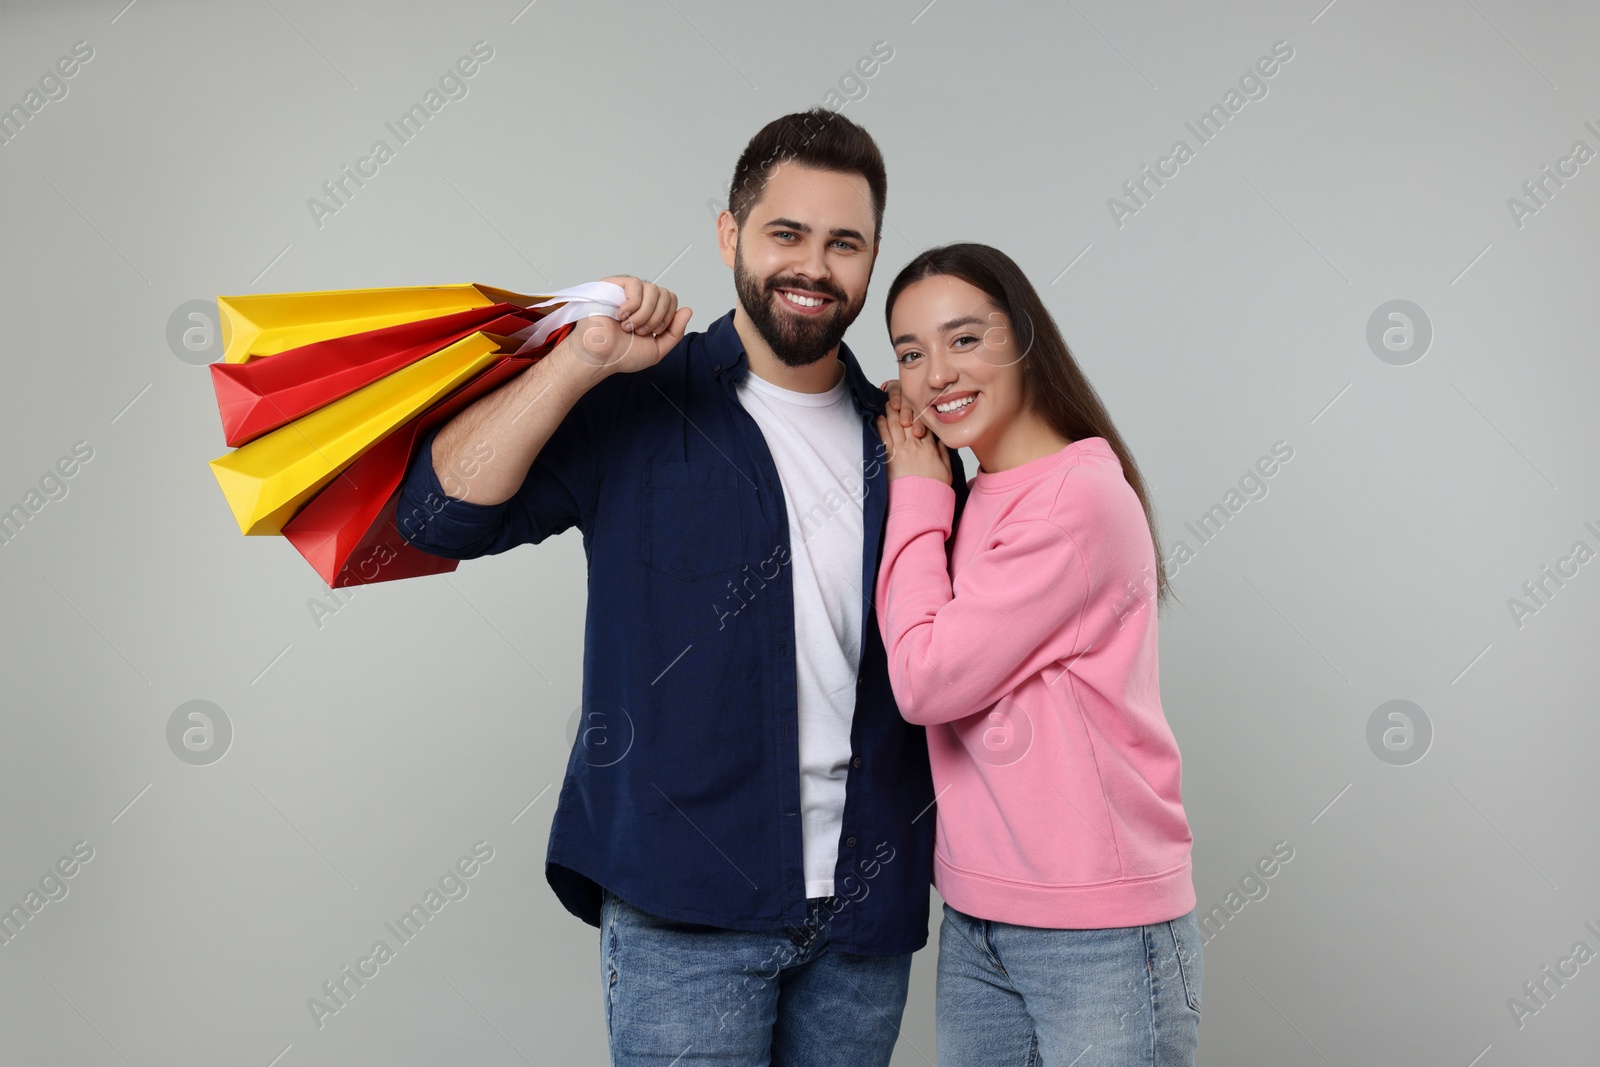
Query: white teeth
[[955, 405], [803, 301]]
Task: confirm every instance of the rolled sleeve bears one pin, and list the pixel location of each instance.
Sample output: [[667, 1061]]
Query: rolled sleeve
[[559, 492]]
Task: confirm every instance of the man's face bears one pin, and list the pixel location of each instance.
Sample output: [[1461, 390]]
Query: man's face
[[803, 258]]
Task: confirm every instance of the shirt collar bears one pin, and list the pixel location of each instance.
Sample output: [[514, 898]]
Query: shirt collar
[[724, 355]]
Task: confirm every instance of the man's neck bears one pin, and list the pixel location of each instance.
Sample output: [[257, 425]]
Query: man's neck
[[817, 377]]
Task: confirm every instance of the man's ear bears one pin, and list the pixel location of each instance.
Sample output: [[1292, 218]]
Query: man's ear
[[727, 236]]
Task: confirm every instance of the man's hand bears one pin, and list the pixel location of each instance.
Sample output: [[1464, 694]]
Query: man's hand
[[651, 325], [910, 453], [898, 406]]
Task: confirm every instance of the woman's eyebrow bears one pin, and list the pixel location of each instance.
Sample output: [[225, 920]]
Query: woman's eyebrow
[[965, 320]]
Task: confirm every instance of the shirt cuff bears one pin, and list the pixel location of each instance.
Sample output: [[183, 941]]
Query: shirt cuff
[[919, 493]]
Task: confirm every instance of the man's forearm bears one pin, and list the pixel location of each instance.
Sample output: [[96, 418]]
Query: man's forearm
[[483, 454]]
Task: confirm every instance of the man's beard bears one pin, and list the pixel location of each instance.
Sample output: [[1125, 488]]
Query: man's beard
[[797, 340]]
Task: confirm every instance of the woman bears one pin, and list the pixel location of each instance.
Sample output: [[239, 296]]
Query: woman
[[1029, 653]]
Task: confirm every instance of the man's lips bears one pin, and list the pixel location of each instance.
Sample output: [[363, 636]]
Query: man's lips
[[785, 294]]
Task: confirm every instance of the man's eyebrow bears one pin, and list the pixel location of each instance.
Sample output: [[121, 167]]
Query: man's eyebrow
[[800, 227], [944, 327]]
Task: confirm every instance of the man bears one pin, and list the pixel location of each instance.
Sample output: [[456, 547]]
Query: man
[[759, 859]]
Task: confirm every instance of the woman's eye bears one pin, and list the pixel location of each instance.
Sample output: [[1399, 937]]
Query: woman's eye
[[963, 338], [906, 357]]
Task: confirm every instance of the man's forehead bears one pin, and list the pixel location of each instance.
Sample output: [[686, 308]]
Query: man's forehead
[[794, 187]]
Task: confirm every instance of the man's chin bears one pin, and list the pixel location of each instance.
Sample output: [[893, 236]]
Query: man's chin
[[802, 347]]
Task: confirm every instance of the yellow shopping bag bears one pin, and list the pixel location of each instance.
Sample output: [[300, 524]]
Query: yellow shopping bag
[[267, 480], [264, 324]]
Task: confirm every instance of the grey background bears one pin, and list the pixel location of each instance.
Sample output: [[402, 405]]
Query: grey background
[[1231, 312]]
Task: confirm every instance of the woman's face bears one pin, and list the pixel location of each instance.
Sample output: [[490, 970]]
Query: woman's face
[[959, 367]]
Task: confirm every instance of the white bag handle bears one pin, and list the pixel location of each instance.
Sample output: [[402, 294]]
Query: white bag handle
[[570, 305]]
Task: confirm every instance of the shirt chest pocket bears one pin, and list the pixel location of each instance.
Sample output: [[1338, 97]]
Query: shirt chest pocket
[[689, 521]]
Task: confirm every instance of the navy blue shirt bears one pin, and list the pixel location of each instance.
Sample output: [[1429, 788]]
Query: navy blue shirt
[[682, 792]]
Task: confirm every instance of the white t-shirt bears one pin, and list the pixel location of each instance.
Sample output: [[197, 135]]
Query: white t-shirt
[[815, 440]]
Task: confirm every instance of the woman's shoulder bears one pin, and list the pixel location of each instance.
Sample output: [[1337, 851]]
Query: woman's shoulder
[[1089, 492]]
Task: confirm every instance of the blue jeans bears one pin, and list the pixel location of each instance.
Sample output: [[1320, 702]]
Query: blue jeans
[[1038, 997], [682, 993]]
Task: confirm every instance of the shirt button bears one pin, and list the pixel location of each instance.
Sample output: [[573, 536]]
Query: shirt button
[[849, 842], [856, 763]]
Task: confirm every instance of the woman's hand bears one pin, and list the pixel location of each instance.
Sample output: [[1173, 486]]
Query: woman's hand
[[909, 453], [897, 406]]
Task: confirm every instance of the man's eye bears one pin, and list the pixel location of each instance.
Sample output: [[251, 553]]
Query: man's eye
[[846, 245]]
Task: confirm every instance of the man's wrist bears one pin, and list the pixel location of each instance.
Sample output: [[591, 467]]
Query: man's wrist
[[577, 366]]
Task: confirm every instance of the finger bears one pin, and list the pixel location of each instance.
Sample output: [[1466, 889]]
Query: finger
[[649, 294], [882, 425], [907, 415], [666, 308], [673, 332], [632, 289]]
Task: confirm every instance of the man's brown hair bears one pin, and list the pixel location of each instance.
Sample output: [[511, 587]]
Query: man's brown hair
[[817, 138]]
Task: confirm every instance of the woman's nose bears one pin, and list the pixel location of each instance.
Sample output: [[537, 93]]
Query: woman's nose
[[940, 371]]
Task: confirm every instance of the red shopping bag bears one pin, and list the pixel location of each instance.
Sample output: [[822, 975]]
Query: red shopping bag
[[347, 532], [264, 394]]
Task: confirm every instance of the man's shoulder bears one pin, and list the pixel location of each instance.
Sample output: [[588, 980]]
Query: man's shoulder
[[694, 356], [630, 401]]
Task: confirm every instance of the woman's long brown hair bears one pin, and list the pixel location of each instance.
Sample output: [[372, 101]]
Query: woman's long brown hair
[[1053, 383]]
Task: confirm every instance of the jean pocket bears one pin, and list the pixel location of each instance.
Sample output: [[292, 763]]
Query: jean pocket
[[1187, 950], [689, 522]]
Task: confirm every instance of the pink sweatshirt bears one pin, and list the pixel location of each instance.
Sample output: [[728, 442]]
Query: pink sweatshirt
[[1031, 659]]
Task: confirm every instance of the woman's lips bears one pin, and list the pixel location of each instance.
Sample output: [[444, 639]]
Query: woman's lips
[[958, 414]]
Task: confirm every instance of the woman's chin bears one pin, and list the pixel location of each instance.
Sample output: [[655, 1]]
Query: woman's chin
[[957, 433], [949, 436]]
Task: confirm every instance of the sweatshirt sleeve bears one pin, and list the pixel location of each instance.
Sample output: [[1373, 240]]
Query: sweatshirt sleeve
[[952, 655]]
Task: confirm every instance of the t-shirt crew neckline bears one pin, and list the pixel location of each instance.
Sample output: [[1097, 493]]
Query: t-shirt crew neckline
[[794, 396], [999, 481]]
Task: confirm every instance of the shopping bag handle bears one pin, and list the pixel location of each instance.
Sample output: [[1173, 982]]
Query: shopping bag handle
[[568, 306]]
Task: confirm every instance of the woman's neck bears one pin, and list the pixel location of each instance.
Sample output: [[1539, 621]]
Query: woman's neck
[[1026, 439]]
